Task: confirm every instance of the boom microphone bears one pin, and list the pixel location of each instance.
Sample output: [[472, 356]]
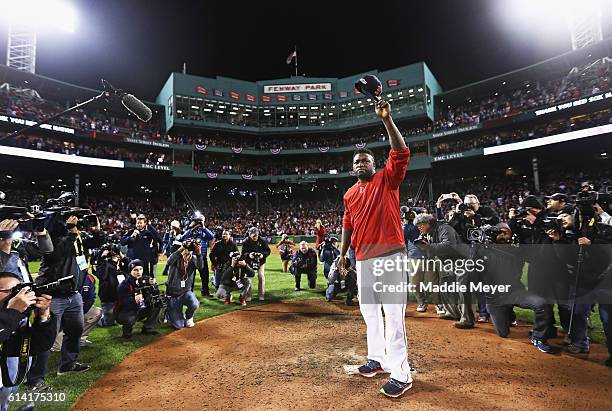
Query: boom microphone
[[130, 102]]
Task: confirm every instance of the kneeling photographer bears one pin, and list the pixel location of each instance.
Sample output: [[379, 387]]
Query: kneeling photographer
[[182, 265], [27, 328], [136, 301], [237, 275], [582, 245], [342, 280], [504, 267], [328, 252], [304, 262]]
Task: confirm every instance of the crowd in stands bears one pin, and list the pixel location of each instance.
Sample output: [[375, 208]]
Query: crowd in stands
[[97, 150], [588, 79], [26, 104], [524, 133]]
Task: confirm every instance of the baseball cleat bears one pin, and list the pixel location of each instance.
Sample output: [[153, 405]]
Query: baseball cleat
[[370, 369], [394, 388]]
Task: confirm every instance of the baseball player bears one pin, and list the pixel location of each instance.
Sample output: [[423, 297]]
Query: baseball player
[[372, 225]]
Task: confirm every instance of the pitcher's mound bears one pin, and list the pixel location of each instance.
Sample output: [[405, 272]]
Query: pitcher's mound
[[292, 355]]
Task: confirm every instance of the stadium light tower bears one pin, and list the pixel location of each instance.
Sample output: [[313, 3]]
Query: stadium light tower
[[584, 22], [26, 18]]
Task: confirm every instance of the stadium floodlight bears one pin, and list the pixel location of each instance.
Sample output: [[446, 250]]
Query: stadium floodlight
[[581, 17], [26, 18]]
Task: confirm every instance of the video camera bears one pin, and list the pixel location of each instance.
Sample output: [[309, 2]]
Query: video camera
[[485, 234], [152, 295], [36, 219], [587, 197], [552, 222], [40, 289]]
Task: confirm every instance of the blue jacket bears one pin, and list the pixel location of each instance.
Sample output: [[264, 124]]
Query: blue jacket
[[144, 246], [411, 233], [305, 261], [204, 234], [328, 255], [125, 295], [88, 292]]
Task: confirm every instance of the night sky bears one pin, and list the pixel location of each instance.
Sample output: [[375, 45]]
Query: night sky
[[137, 43]]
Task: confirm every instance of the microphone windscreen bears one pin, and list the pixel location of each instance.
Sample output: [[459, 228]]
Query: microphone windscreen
[[137, 107]]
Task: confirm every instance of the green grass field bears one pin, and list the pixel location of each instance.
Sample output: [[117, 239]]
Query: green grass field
[[109, 349]]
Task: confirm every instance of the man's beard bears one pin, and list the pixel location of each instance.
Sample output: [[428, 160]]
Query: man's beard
[[365, 175]]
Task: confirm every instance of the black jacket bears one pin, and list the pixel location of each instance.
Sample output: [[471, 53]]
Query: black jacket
[[62, 261], [220, 253], [43, 334], [259, 246], [231, 273], [107, 272]]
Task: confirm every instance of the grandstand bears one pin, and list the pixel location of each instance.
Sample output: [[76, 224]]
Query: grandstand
[[290, 135]]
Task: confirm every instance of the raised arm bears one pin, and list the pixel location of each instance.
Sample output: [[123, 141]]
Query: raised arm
[[383, 110]]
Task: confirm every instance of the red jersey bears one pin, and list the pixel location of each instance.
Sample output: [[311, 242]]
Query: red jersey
[[371, 210], [320, 233]]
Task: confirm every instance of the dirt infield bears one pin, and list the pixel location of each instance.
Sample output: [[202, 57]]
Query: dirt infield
[[291, 356]]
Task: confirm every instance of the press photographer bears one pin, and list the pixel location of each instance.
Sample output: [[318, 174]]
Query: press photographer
[[255, 250], [468, 213], [198, 231], [69, 258], [220, 255], [440, 240], [504, 266], [237, 275], [547, 276], [136, 301], [285, 249], [111, 268], [16, 333], [304, 262], [143, 243], [342, 280], [582, 245], [15, 259], [420, 276], [182, 265], [328, 252]]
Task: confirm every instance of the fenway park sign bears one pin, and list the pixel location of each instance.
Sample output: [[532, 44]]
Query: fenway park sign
[[296, 88]]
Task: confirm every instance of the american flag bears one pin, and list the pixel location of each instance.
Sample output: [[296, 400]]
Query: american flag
[[281, 98], [218, 93], [266, 99], [312, 97], [291, 57], [250, 97], [327, 96], [343, 94], [297, 97]]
